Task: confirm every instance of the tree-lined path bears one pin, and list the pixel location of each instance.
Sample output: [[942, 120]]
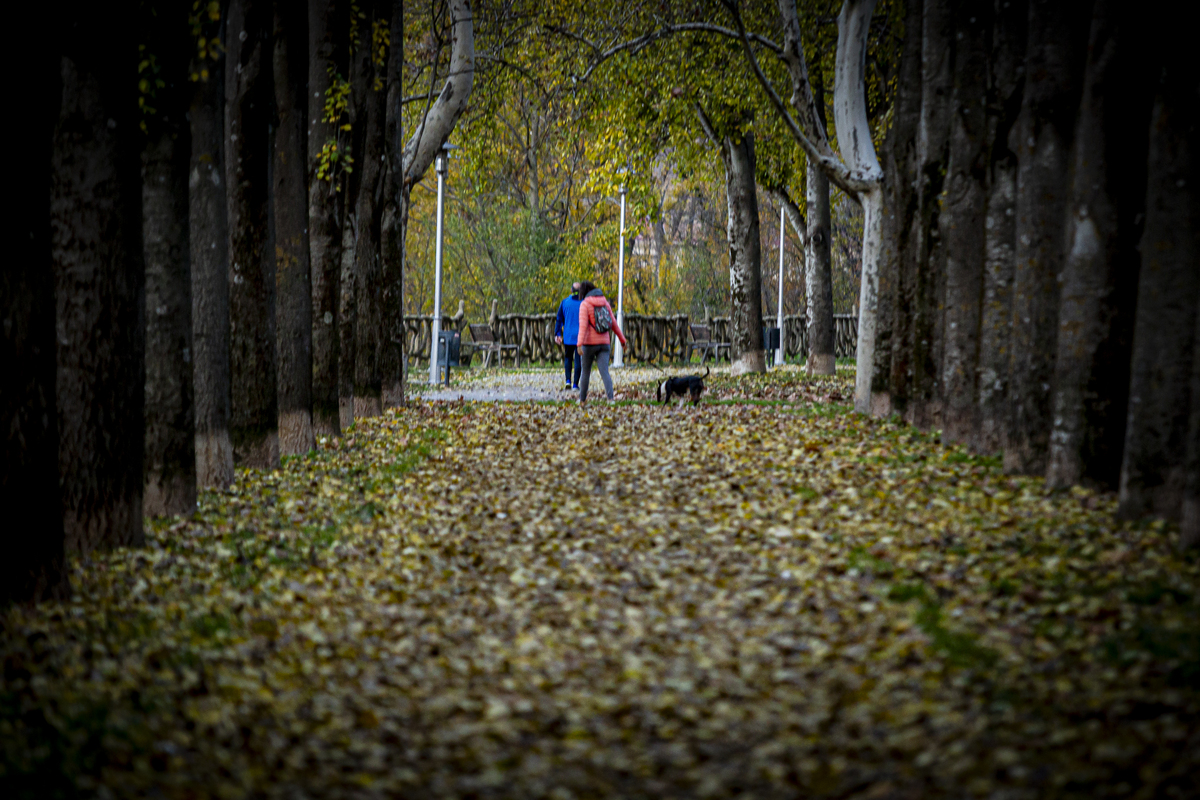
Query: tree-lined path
[[771, 597]]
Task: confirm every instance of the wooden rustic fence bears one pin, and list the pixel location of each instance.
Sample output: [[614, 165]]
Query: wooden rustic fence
[[651, 337]]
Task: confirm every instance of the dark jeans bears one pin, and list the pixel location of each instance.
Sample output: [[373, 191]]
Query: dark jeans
[[571, 355], [599, 354]]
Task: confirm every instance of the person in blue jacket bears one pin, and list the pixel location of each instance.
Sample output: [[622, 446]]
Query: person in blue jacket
[[566, 333]]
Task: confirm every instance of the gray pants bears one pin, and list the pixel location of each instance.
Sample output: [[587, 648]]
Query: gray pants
[[599, 354]]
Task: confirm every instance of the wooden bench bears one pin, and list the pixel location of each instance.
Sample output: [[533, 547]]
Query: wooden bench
[[485, 342], [701, 341]]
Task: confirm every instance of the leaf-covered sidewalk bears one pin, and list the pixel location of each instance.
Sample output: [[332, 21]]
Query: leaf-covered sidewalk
[[764, 598]]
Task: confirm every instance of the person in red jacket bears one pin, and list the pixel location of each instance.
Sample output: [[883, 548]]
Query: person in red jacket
[[595, 346]]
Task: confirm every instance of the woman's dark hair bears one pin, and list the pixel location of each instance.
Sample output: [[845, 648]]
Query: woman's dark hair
[[585, 288]]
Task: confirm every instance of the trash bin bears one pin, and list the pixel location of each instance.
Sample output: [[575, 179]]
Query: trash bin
[[770, 339], [448, 349]]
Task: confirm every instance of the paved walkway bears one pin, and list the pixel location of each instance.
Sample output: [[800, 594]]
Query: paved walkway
[[541, 385]]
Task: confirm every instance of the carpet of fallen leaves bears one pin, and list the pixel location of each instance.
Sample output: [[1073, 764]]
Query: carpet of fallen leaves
[[764, 596]]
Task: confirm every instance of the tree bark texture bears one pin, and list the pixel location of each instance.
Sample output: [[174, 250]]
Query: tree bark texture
[[253, 427], [209, 242], [96, 218], [360, 85], [1189, 523], [858, 151], [347, 324], [818, 275], [1153, 472], [393, 220], [326, 21], [1045, 129], [433, 131], [933, 130], [1005, 89], [32, 568], [745, 255], [293, 278], [1099, 279], [368, 339], [170, 445], [961, 222], [900, 205]]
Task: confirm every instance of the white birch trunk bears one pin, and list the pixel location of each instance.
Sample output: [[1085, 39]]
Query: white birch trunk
[[435, 129], [858, 151]]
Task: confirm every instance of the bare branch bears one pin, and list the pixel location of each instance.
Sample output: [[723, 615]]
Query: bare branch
[[642, 42], [830, 164]]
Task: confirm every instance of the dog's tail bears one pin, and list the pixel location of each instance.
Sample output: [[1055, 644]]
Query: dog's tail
[[706, 371]]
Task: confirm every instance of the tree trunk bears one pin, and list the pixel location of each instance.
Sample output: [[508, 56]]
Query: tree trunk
[[933, 131], [854, 140], [1004, 103], [326, 25], [1054, 68], [170, 444], [393, 221], [1153, 473], [209, 242], [1099, 278], [900, 206], [360, 87], [745, 255], [818, 275], [96, 218], [253, 426], [431, 133], [368, 380], [962, 222], [32, 568], [347, 324], [1189, 524], [293, 277]]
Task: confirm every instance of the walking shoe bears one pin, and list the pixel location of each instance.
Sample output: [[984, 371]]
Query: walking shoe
[[567, 388]]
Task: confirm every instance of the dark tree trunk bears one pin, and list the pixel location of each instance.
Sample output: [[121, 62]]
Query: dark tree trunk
[[209, 237], [32, 568], [394, 220], [900, 198], [326, 34], [1054, 70], [253, 426], [1099, 279], [360, 87], [96, 218], [293, 279], [1189, 525], [745, 255], [347, 323], [170, 446], [368, 380], [818, 275], [962, 222], [1004, 104], [937, 56], [1153, 473]]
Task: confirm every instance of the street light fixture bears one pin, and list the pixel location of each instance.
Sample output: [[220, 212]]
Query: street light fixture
[[443, 158]]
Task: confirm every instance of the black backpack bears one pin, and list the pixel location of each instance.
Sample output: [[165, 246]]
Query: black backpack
[[602, 319]]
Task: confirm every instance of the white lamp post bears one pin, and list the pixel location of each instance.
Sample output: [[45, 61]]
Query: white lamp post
[[618, 351], [442, 168], [779, 291]]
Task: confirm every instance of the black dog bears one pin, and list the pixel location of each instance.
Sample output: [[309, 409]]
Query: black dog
[[692, 385]]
